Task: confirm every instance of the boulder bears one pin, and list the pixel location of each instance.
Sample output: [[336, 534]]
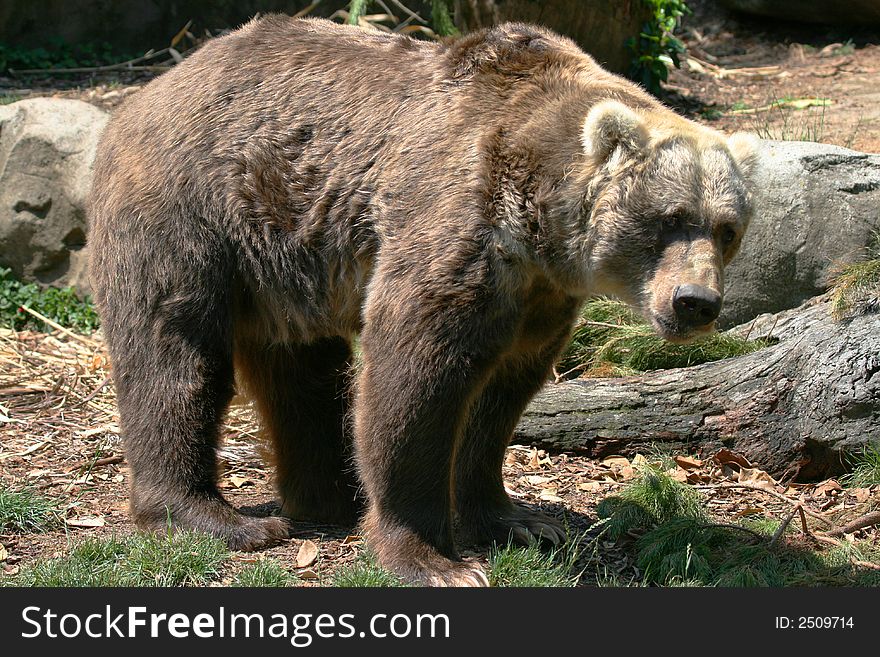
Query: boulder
[[46, 150], [817, 206], [828, 12]]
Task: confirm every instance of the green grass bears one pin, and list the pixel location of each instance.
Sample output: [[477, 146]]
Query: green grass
[[365, 572], [856, 289], [25, 512], [8, 99], [675, 543], [865, 466], [184, 559], [266, 573], [652, 499], [61, 305], [612, 340], [515, 566], [785, 122]]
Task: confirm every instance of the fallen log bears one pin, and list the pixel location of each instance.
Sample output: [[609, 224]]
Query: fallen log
[[797, 409]]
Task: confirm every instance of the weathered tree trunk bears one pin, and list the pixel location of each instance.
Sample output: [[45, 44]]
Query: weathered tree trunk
[[795, 409], [599, 27]]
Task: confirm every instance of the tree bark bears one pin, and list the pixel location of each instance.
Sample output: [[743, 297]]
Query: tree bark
[[599, 27], [796, 409]]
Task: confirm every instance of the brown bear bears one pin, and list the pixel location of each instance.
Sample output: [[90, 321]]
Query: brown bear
[[297, 183]]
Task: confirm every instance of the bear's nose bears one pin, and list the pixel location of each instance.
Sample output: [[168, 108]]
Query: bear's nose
[[696, 305]]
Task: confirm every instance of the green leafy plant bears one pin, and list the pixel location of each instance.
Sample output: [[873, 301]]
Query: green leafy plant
[[61, 305], [656, 48]]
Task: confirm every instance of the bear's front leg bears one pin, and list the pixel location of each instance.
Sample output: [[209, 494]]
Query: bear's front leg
[[425, 360], [485, 511]]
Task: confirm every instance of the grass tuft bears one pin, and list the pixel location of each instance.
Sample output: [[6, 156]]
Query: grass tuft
[[856, 289], [183, 559], [23, 512], [865, 466], [612, 340], [677, 544], [654, 498], [266, 573], [365, 572], [516, 566]]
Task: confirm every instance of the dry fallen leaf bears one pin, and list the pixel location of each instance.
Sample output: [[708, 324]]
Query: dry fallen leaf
[[756, 477], [537, 480], [88, 522], [688, 463], [549, 496], [828, 488], [678, 474], [726, 457], [590, 486], [308, 573], [308, 553], [749, 511], [3, 552], [619, 461], [639, 461], [862, 495]]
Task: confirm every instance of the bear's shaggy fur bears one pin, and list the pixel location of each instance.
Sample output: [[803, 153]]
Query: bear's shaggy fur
[[297, 183]]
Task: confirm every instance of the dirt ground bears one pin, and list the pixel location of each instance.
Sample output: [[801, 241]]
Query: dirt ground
[[59, 436], [738, 69], [59, 430]]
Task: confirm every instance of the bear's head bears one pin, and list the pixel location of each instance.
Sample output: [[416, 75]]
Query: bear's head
[[668, 203]]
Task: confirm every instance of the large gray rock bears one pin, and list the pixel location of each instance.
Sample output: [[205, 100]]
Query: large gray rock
[[817, 206], [46, 150]]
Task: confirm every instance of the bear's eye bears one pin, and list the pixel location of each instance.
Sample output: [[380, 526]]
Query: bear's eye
[[728, 235]]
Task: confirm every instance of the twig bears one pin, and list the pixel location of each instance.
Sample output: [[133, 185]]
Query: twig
[[780, 496], [126, 65], [726, 525], [859, 523], [307, 10], [58, 327], [109, 460], [94, 392], [804, 527], [409, 12], [92, 69], [781, 530]]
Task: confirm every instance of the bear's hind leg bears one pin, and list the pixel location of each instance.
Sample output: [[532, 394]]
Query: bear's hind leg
[[302, 397], [173, 372]]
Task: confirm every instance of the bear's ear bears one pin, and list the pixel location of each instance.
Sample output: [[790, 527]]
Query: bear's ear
[[746, 150], [611, 125]]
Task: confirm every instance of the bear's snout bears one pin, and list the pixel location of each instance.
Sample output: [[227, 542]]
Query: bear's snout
[[695, 305]]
